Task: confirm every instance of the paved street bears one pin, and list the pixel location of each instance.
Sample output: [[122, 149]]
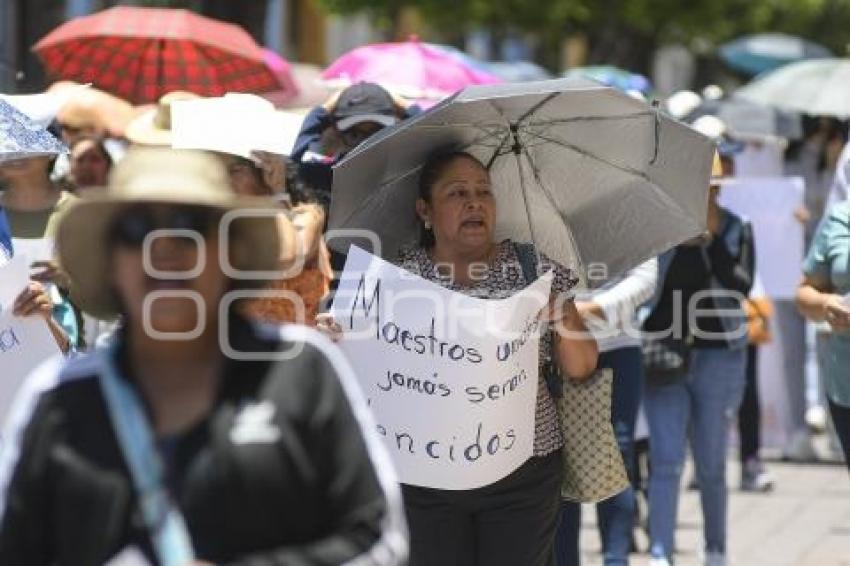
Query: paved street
[[805, 521]]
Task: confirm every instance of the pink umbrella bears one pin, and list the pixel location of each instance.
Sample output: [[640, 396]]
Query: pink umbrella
[[281, 69], [413, 69]]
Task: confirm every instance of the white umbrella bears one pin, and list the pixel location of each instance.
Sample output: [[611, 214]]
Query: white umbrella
[[817, 87], [589, 174], [21, 137]]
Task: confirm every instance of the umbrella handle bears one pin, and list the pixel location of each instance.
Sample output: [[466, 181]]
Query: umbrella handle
[[657, 130]]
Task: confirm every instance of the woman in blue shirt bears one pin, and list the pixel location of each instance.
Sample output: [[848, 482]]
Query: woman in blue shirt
[[824, 295]]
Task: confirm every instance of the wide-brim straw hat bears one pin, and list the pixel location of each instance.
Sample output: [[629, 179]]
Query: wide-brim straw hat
[[158, 176], [153, 126]]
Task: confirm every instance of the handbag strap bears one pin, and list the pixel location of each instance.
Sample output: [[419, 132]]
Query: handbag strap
[[527, 257], [527, 261], [164, 522]]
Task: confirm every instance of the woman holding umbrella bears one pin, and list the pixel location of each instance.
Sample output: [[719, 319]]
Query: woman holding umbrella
[[192, 434], [512, 521]]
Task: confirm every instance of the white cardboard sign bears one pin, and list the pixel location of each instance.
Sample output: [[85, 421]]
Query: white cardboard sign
[[451, 379], [25, 342], [769, 203], [14, 277]]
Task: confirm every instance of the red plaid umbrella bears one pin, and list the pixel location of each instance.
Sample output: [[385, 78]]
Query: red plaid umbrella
[[142, 53]]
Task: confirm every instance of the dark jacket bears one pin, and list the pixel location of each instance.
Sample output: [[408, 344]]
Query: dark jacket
[[315, 169], [318, 491], [725, 265]]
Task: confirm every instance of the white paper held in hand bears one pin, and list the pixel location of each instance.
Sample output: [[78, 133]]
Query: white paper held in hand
[[25, 342], [14, 276], [36, 249]]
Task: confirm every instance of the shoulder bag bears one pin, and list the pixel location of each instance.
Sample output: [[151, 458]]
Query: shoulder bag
[[592, 464]]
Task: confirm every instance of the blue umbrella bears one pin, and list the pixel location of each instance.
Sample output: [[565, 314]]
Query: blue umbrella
[[461, 56], [508, 71], [755, 54], [614, 77], [5, 238], [21, 137]]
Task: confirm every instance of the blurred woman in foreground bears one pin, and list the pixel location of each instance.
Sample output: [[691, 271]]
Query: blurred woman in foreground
[[193, 435]]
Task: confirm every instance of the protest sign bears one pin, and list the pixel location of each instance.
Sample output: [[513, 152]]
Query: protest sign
[[25, 342], [14, 276], [35, 249], [769, 203], [452, 380], [38, 249]]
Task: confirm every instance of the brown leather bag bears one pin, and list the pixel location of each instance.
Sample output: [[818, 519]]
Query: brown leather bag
[[759, 312]]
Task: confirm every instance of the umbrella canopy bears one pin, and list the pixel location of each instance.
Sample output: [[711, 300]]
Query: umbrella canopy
[[745, 119], [817, 87], [312, 90], [411, 68], [41, 107], [754, 54], [21, 137], [142, 53], [589, 174], [507, 71], [281, 68], [462, 56], [613, 77]]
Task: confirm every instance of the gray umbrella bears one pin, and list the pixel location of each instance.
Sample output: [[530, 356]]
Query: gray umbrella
[[592, 176]]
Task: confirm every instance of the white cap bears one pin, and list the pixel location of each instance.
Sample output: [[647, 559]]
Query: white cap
[[710, 126], [682, 103], [712, 92]]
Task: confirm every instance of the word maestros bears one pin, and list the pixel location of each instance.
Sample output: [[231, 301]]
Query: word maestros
[[429, 344], [465, 446]]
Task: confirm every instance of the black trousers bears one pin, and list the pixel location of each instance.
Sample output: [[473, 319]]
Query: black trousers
[[509, 523], [749, 414], [841, 420]]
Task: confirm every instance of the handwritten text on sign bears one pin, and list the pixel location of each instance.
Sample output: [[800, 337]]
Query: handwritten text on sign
[[25, 342], [452, 379]]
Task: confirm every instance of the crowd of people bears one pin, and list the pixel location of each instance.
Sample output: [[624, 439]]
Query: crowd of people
[[163, 445]]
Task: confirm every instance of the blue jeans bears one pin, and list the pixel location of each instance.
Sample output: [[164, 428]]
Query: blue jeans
[[702, 405], [615, 515]]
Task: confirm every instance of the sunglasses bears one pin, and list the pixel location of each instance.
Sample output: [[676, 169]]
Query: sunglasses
[[132, 226]]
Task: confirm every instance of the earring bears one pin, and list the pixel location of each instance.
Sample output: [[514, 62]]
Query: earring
[[427, 224]]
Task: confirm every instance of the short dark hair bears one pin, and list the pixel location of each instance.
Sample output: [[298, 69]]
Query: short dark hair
[[431, 171], [436, 165]]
